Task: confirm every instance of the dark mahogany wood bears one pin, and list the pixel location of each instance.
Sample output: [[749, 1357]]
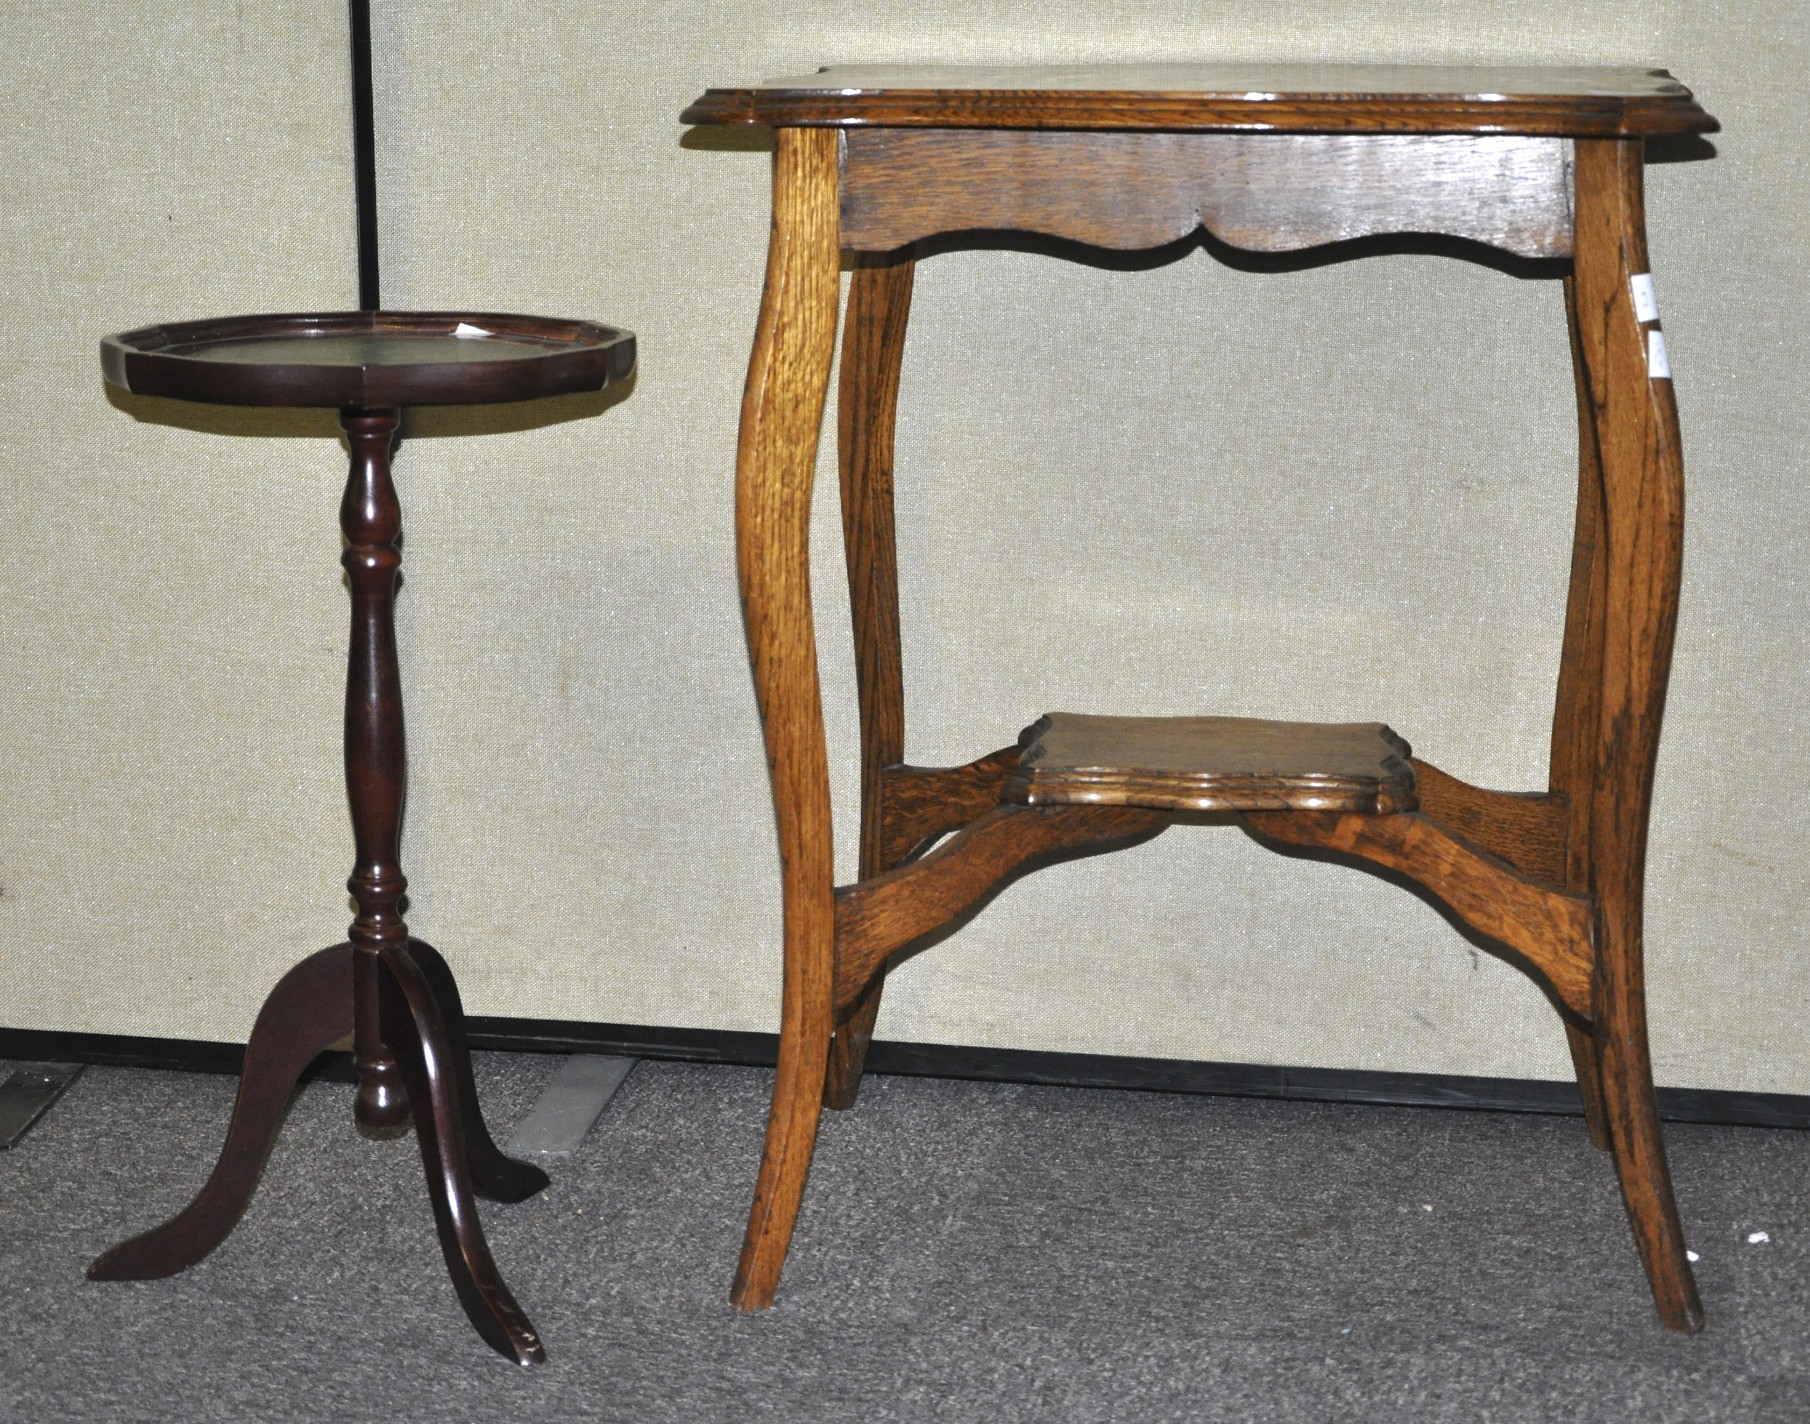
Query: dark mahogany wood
[[1309, 98], [1539, 162], [493, 1176], [307, 1013], [370, 519], [394, 995], [367, 359], [411, 1019]]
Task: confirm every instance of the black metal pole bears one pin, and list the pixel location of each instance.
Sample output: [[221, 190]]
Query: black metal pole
[[364, 156]]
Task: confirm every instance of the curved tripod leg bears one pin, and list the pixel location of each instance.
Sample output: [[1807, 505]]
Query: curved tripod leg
[[493, 1176], [415, 1033], [309, 1010]]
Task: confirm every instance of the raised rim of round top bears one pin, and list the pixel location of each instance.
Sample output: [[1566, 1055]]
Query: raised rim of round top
[[368, 359]]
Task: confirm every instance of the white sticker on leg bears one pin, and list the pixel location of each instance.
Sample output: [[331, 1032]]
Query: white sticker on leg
[[1658, 367], [1646, 300]]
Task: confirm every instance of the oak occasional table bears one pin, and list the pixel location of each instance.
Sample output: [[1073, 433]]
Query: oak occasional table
[[393, 994], [1542, 163]]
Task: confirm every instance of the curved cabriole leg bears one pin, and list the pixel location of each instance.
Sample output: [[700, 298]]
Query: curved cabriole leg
[[495, 1177], [873, 348], [1636, 427], [309, 1010], [782, 408], [1579, 702], [413, 1026]]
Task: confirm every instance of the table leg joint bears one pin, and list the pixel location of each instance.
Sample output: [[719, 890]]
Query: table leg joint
[[878, 917], [1550, 933]]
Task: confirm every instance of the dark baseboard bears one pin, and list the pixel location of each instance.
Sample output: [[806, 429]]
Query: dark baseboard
[[938, 1060]]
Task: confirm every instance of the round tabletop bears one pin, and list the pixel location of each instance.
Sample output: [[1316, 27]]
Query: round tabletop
[[368, 360]]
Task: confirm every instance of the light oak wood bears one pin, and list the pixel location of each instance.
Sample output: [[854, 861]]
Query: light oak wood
[[1577, 705], [923, 802], [878, 917], [1128, 157], [1525, 828], [1310, 98], [1211, 764], [1635, 423], [1549, 929], [873, 345], [1262, 192], [782, 409]]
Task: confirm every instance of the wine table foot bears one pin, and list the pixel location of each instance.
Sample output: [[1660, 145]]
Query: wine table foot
[[309, 1010], [416, 1031], [493, 1176]]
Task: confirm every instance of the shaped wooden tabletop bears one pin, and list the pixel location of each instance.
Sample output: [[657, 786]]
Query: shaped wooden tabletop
[[1321, 98]]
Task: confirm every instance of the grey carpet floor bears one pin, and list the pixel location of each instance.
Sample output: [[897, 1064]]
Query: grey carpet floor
[[966, 1251]]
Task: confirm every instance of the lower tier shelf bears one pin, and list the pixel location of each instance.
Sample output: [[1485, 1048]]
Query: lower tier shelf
[[1212, 764]]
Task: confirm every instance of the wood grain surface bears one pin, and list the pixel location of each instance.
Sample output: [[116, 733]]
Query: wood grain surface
[[926, 801], [1212, 764], [880, 916], [1633, 426], [1525, 828], [1554, 877], [1262, 192], [1319, 98], [782, 409], [873, 346], [1549, 928]]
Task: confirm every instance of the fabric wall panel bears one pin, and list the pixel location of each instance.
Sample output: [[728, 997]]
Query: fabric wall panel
[[1341, 492], [171, 826]]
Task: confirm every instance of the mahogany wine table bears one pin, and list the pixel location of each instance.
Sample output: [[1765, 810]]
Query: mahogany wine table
[[391, 992], [1540, 163]]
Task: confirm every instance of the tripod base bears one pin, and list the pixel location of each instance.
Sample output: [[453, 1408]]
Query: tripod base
[[311, 1009]]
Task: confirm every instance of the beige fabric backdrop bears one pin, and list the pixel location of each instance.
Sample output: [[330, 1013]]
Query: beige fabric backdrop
[[1341, 493]]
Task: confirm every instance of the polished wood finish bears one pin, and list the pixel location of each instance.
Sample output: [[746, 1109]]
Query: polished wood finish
[[1263, 192], [1275, 98], [1634, 420], [410, 1019], [782, 408], [1212, 764], [1548, 928], [309, 1010], [367, 359], [1525, 828], [880, 916], [873, 346], [370, 521], [1541, 163], [393, 994]]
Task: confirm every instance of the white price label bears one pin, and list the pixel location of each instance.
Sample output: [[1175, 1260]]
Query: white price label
[[1658, 367], [1646, 300]]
